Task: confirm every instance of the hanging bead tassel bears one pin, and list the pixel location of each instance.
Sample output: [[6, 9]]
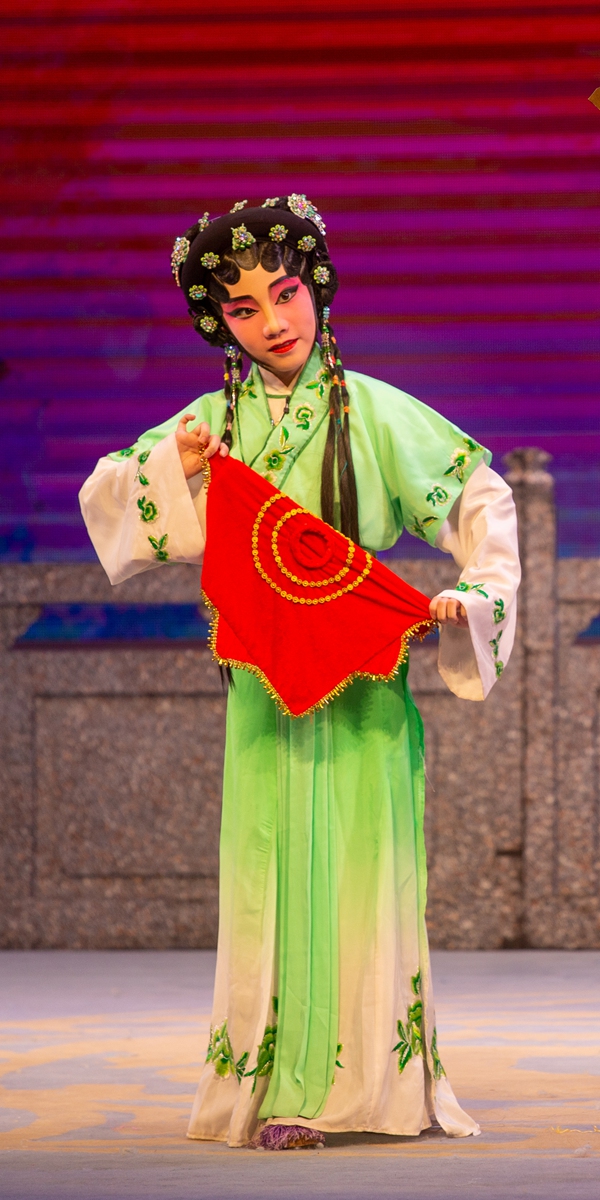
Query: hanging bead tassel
[[232, 377], [327, 352]]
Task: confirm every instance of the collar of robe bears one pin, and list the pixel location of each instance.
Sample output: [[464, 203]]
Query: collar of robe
[[295, 602], [308, 408]]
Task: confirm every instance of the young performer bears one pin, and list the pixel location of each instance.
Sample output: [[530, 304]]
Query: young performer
[[323, 1017]]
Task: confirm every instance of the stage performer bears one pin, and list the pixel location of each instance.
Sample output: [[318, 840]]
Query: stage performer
[[323, 1016]]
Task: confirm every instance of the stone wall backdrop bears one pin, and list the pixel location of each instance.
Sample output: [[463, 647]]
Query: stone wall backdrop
[[110, 759]]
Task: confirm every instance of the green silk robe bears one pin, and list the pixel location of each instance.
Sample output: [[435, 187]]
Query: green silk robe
[[323, 1010]]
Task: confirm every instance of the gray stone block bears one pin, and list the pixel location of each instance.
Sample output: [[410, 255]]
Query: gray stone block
[[111, 763]]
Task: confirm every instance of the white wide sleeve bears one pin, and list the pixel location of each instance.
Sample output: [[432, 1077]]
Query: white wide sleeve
[[481, 534], [140, 514]]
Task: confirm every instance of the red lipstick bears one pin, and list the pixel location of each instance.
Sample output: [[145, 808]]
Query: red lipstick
[[284, 347]]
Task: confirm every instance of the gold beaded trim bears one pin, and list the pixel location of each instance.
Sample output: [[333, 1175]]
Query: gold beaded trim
[[205, 470], [294, 578], [349, 587], [419, 630]]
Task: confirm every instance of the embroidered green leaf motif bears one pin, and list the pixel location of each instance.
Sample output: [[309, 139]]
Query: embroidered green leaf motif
[[495, 643], [275, 459], [219, 1051], [127, 453], [471, 587], [159, 547], [438, 1069], [499, 667], [438, 495], [142, 458], [411, 1035], [471, 445], [319, 384], [337, 1060], [148, 509], [499, 611], [458, 464], [420, 527], [266, 1055], [303, 415], [414, 1026], [248, 390], [266, 1050], [403, 1047], [241, 1064]]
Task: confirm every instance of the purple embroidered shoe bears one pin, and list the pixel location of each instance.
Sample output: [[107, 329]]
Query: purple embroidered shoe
[[289, 1137]]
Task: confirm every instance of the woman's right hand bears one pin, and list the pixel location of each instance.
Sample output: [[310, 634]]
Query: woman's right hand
[[196, 445]]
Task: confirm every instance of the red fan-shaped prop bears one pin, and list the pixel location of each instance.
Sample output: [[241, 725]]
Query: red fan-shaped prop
[[294, 601]]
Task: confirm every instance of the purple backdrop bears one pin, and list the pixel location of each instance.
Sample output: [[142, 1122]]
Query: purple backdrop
[[453, 154]]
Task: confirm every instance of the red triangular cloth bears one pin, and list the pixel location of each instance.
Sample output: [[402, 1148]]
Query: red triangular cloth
[[292, 600]]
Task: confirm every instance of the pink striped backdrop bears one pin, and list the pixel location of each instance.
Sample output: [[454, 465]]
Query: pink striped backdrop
[[452, 150]]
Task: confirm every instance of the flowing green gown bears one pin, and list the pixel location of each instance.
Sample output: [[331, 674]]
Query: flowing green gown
[[322, 1011]]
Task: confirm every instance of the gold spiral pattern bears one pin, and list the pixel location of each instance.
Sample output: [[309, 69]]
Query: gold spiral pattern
[[343, 591], [312, 583]]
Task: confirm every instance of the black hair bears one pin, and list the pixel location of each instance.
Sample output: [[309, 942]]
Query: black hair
[[271, 256]]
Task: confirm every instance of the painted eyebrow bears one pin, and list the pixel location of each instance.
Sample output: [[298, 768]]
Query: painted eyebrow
[[238, 299]]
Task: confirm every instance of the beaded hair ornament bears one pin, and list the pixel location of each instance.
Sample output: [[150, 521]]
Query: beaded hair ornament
[[292, 229]]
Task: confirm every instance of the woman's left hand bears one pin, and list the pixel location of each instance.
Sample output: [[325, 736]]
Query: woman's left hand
[[447, 611]]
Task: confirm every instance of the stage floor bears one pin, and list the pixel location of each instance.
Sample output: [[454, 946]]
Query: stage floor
[[101, 1051]]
